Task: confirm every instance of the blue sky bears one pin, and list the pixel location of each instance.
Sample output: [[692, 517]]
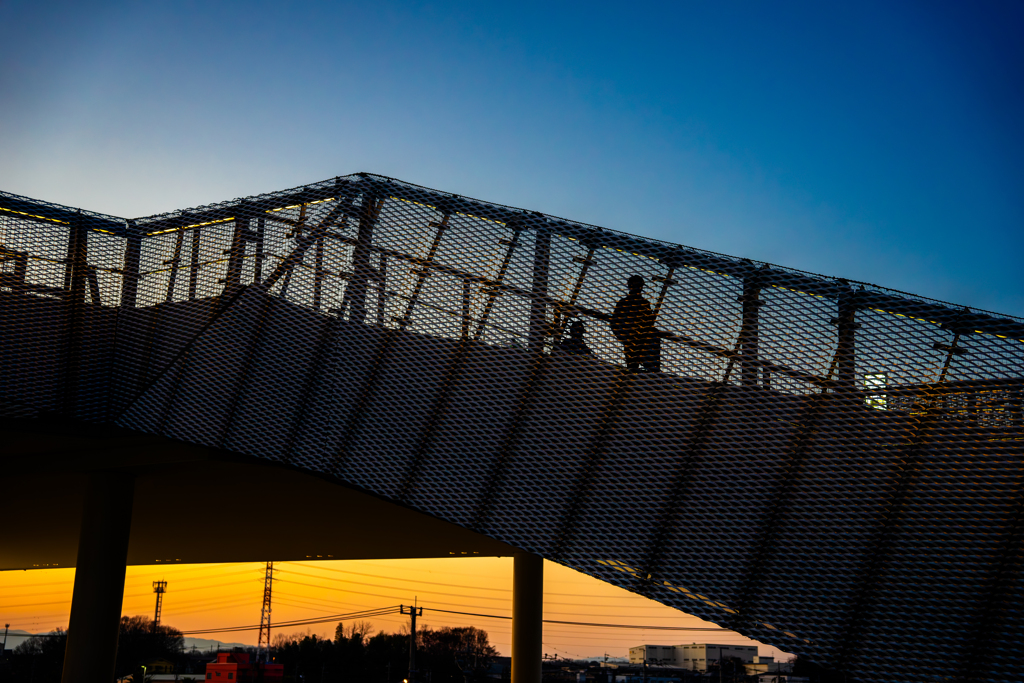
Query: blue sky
[[880, 142]]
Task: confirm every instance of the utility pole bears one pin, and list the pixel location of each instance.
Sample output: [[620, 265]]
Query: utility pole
[[268, 582], [159, 587], [3, 652], [413, 613]]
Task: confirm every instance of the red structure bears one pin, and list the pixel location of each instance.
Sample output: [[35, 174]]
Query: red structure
[[235, 666]]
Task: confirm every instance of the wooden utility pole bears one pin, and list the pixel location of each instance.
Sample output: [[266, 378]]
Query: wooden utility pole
[[413, 612]]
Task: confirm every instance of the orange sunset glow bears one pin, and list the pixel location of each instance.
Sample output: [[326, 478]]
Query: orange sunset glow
[[214, 596]]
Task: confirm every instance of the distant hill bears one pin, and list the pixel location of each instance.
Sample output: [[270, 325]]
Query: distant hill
[[204, 644], [16, 637]]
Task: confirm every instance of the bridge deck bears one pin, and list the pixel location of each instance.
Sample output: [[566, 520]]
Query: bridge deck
[[831, 468]]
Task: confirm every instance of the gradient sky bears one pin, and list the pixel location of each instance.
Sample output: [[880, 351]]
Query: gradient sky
[[877, 141], [219, 595]]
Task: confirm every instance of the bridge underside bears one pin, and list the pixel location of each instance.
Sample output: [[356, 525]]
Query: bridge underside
[[829, 467], [200, 505]]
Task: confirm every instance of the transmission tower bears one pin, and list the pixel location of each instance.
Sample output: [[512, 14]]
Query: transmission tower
[[159, 587], [261, 653]]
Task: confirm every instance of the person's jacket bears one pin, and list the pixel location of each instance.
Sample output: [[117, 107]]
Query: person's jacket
[[633, 319]]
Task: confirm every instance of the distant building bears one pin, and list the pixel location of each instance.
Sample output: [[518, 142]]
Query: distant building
[[768, 665], [654, 655], [695, 657], [232, 667]]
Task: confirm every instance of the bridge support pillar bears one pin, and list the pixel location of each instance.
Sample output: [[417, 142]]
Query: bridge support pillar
[[527, 618], [91, 649]]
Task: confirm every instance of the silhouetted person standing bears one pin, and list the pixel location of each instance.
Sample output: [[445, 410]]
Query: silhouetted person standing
[[633, 324], [576, 344]]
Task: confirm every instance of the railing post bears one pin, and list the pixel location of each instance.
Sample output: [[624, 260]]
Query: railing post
[[261, 230], [846, 321], [193, 266], [75, 275], [175, 264], [237, 254], [318, 273], [130, 271], [749, 332], [362, 271], [539, 290]]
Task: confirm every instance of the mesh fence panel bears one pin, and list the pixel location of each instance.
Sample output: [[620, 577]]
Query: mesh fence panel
[[830, 467]]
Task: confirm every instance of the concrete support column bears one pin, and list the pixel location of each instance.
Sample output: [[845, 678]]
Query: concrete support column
[[527, 618], [99, 579]]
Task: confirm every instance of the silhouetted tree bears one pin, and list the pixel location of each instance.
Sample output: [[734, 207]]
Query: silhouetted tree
[[350, 649], [138, 642], [444, 655], [309, 658], [456, 654], [387, 657], [38, 660]]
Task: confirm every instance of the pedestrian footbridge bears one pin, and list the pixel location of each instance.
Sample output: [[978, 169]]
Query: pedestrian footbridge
[[826, 466]]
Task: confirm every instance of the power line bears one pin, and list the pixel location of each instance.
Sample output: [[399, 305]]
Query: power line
[[377, 585], [302, 622], [463, 586], [387, 611], [372, 595], [387, 597], [395, 578], [460, 586], [586, 623]]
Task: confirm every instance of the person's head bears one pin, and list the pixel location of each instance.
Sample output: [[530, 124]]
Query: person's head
[[576, 330], [635, 284]]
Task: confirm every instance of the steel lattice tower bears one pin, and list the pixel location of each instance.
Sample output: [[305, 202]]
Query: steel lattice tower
[[159, 587], [265, 616]]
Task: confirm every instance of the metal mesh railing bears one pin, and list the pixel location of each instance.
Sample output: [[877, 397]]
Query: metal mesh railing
[[827, 466]]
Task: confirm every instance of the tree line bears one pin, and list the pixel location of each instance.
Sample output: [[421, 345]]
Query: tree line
[[443, 655], [41, 659]]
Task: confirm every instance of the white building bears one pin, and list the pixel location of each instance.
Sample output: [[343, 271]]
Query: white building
[[654, 655], [695, 656]]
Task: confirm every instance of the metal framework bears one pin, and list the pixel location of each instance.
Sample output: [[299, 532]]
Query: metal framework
[[159, 587], [263, 645], [827, 466]]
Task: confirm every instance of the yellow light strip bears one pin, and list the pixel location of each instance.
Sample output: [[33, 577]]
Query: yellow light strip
[[480, 218], [642, 255], [297, 206], [32, 215], [797, 291], [902, 315], [186, 227], [409, 201]]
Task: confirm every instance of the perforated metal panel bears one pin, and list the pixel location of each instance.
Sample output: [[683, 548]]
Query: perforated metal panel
[[826, 466]]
